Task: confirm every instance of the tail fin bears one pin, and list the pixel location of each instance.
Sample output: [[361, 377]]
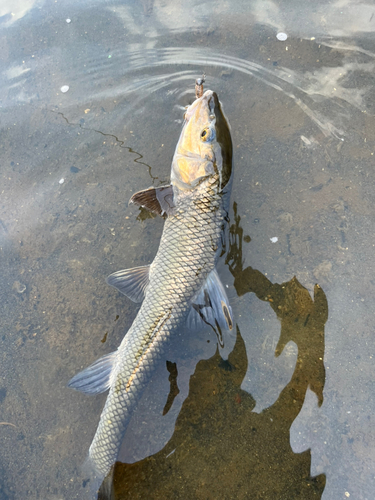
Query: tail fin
[[100, 488]]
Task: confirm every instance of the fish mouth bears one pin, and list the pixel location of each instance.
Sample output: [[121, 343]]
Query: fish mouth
[[208, 100]]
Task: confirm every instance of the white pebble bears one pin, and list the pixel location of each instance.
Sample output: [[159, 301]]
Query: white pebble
[[68, 20], [282, 36], [61, 181], [306, 140], [64, 88], [274, 239]]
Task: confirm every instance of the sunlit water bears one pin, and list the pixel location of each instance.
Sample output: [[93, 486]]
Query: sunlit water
[[303, 127]]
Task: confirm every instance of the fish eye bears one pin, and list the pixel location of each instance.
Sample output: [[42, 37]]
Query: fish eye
[[207, 134]]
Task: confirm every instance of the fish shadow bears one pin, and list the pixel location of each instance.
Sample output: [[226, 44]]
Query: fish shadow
[[221, 448]]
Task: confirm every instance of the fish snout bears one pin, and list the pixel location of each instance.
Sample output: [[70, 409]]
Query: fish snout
[[202, 106]]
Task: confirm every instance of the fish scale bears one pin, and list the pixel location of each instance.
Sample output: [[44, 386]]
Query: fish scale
[[181, 287], [188, 233]]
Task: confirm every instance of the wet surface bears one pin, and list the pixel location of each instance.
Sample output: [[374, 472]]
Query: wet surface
[[302, 116]]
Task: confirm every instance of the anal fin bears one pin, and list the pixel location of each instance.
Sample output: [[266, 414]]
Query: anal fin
[[95, 379]]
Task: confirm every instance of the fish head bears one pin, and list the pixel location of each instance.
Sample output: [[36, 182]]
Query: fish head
[[205, 145]]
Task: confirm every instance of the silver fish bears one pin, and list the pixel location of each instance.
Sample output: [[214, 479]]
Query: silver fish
[[181, 287]]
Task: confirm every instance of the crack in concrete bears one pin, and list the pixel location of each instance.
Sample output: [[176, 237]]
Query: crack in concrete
[[119, 141]]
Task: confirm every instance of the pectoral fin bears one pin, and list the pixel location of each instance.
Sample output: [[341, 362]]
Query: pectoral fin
[[157, 200], [131, 282], [211, 307], [95, 379]]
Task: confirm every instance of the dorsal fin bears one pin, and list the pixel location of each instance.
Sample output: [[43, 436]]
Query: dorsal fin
[[157, 200], [131, 282]]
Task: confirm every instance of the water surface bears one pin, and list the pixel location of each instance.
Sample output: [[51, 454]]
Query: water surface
[[302, 118]]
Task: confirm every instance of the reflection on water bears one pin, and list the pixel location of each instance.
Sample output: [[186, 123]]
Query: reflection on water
[[220, 447], [302, 117]]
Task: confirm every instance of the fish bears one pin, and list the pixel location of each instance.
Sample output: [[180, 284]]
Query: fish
[[181, 287]]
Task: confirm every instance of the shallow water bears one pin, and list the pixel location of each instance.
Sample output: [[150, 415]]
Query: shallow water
[[302, 118]]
